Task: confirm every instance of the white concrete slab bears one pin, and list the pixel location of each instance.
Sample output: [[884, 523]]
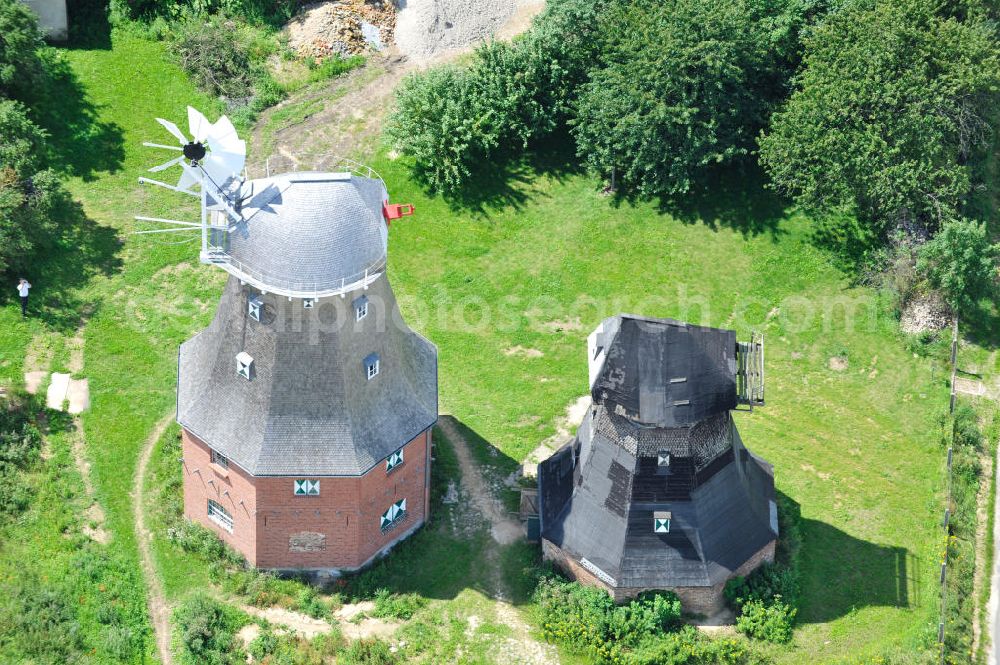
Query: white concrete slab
[[78, 395], [56, 395]]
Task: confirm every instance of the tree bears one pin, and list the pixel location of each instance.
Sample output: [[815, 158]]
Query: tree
[[30, 195], [961, 261], [683, 84], [887, 109], [20, 39]]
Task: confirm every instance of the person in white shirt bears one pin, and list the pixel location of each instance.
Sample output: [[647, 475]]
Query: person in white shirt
[[22, 290]]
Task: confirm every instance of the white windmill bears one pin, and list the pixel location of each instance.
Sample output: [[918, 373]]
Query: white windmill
[[211, 162]]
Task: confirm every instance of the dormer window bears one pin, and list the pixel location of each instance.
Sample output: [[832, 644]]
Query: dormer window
[[306, 488], [255, 305], [661, 521], [371, 366], [394, 460], [308, 303], [360, 308], [244, 365], [663, 459]]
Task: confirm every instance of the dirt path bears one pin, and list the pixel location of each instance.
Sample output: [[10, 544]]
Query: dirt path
[[159, 611], [521, 648], [979, 575], [503, 527], [337, 119]]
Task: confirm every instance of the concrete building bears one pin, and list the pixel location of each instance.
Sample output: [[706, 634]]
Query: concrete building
[[52, 17], [657, 490], [307, 405]]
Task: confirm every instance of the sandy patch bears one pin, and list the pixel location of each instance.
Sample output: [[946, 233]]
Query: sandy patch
[[561, 325], [295, 622], [356, 625], [342, 28], [838, 363], [969, 386], [78, 394], [522, 352], [248, 633], [33, 381]]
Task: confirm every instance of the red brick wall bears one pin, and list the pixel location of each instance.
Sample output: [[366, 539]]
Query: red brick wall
[[340, 527], [231, 487], [696, 600]]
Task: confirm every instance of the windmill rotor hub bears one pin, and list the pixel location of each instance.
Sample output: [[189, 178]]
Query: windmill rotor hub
[[195, 151]]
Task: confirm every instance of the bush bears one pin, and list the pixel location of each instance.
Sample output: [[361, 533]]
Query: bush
[[196, 539], [396, 606], [308, 602], [39, 625], [961, 261], [367, 652], [770, 621], [769, 581], [207, 631]]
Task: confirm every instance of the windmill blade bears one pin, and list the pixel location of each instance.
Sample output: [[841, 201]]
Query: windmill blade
[[221, 166], [223, 134], [172, 128], [167, 165], [160, 145], [198, 125], [188, 179]]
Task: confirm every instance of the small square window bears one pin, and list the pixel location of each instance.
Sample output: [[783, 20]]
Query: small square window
[[255, 306], [306, 488], [371, 366], [360, 307], [663, 458], [308, 303], [661, 521], [244, 365], [394, 460], [393, 516], [220, 460], [220, 515]]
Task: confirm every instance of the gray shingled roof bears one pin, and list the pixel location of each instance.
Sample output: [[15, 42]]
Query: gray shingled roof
[[309, 232], [309, 408], [598, 494], [588, 507], [664, 372]]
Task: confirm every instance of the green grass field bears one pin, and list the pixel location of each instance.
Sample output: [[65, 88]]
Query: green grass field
[[535, 259]]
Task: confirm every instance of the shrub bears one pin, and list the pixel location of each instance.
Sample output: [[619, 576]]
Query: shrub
[[961, 261], [263, 645], [367, 652], [207, 631], [120, 642], [308, 602], [770, 621], [211, 52], [39, 625], [767, 582], [396, 606], [196, 539]]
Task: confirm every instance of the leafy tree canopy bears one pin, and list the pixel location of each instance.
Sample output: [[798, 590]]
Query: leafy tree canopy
[[961, 261], [887, 109]]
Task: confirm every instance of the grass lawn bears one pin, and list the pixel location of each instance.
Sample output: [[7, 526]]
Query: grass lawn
[[535, 261]]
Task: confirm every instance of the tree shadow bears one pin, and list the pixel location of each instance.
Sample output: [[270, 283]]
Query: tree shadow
[[508, 179], [981, 325], [89, 25], [732, 196], [454, 551], [79, 142], [840, 573], [60, 267]]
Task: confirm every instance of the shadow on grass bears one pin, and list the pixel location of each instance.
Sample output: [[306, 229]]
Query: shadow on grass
[[505, 180], [59, 267], [840, 573], [732, 197], [89, 25], [981, 326], [454, 551]]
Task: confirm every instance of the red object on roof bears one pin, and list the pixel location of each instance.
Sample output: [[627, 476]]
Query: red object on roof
[[393, 211]]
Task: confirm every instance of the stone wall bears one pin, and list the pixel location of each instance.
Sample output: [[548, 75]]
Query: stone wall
[[695, 600], [338, 529]]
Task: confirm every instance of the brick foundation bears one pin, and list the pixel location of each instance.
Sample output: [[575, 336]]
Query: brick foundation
[[339, 529], [695, 600]]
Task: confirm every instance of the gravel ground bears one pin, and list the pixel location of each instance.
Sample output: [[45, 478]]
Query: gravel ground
[[426, 28]]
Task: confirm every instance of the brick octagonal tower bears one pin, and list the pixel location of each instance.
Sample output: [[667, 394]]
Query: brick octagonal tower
[[307, 405]]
